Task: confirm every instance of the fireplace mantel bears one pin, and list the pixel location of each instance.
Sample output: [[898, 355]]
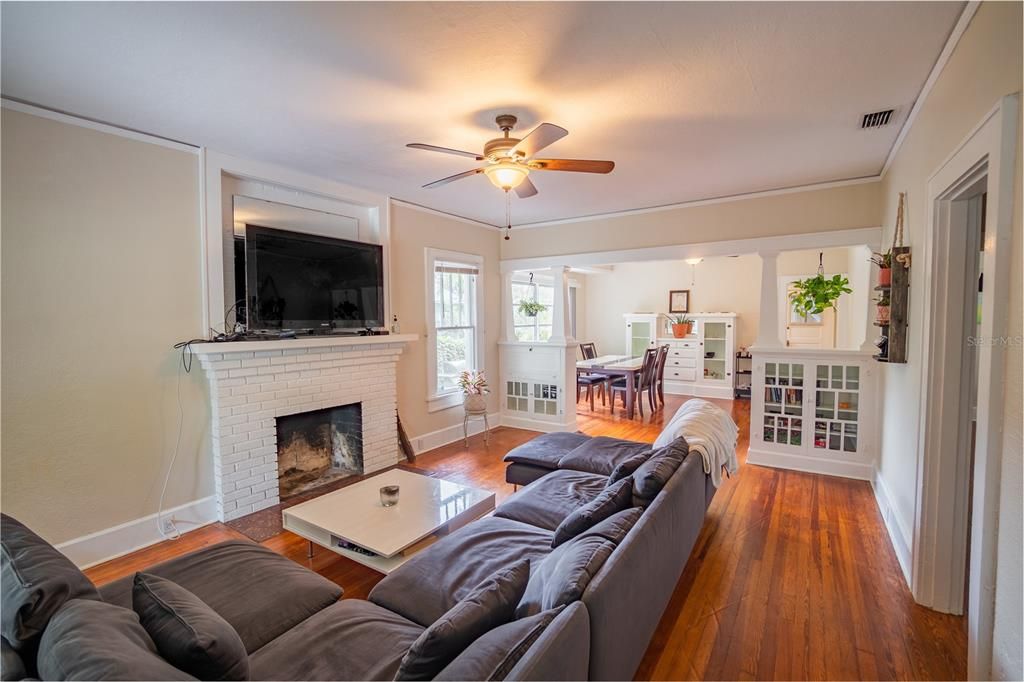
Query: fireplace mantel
[[300, 342], [252, 383]]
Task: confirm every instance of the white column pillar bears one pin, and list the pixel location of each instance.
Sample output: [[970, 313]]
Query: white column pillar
[[507, 321], [561, 331], [768, 336], [863, 275]]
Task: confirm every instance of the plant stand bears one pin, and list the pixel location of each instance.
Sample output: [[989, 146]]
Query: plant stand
[[475, 406]]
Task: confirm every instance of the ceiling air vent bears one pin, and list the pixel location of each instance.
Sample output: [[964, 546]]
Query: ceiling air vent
[[876, 119]]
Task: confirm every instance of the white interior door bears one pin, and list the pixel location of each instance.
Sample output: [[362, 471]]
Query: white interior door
[[818, 331]]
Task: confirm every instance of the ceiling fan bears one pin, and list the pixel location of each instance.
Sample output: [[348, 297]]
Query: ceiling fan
[[510, 159]]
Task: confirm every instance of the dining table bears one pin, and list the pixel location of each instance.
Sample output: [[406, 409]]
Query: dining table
[[615, 366]]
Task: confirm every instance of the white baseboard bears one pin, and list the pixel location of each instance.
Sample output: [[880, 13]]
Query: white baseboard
[[898, 535], [811, 465], [110, 543], [535, 424], [450, 434]]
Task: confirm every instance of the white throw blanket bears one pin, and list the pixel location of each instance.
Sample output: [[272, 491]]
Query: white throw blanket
[[710, 431]]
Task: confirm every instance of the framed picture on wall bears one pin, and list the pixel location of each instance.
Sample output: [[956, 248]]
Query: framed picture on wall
[[679, 301]]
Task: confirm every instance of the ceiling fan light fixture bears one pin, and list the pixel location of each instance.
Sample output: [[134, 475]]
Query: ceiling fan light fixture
[[506, 176]]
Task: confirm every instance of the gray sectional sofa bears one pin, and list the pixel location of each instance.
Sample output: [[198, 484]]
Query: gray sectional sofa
[[604, 548]]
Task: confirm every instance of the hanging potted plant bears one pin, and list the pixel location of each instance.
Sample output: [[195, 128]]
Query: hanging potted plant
[[530, 308], [884, 263], [882, 306], [474, 388], [681, 325], [813, 295]]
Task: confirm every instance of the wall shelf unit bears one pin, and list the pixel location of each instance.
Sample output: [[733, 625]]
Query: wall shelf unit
[[895, 329]]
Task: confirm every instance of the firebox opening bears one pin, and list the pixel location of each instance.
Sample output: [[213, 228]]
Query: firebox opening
[[318, 447]]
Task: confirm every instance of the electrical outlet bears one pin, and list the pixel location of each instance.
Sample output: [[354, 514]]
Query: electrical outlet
[[167, 525]]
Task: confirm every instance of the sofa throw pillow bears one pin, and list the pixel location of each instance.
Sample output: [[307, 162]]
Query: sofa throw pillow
[[94, 640], [36, 581], [187, 632], [627, 467], [490, 604], [612, 499], [561, 577], [492, 656], [652, 475], [11, 665]]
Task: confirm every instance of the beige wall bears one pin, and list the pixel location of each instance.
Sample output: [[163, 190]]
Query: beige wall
[[101, 276], [985, 66], [839, 208], [412, 232], [718, 284]]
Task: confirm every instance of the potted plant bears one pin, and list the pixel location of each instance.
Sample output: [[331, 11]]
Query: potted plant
[[882, 306], [813, 295], [681, 325], [530, 308], [884, 263], [474, 388]]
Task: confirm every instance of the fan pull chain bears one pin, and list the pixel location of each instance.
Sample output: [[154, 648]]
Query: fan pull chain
[[508, 215]]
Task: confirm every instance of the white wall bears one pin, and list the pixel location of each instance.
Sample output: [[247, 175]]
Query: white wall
[[102, 275], [985, 66], [716, 285]]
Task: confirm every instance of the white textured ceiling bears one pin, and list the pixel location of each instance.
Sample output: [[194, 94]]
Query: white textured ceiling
[[691, 100]]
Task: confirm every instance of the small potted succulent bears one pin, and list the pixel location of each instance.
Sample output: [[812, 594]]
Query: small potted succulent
[[681, 325], [530, 308], [884, 263], [882, 305], [474, 389]]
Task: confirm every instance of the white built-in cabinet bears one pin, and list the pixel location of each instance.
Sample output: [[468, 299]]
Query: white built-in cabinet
[[814, 411], [701, 364]]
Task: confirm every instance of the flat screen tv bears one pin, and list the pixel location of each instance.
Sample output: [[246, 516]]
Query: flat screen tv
[[297, 282]]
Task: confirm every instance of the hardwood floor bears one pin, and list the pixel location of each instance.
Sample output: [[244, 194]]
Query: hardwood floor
[[792, 577]]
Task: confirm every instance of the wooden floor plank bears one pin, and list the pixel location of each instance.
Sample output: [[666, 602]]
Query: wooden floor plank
[[792, 577]]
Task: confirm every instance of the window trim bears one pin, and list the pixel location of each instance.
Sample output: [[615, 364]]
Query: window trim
[[537, 282], [443, 400]]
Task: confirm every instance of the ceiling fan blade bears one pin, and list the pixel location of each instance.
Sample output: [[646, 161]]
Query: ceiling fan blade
[[444, 150], [574, 165], [526, 189], [538, 138], [452, 178]]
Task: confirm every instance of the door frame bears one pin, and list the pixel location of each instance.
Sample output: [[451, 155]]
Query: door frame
[[988, 153]]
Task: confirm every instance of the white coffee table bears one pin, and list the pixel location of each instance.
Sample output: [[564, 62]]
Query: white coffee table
[[352, 522]]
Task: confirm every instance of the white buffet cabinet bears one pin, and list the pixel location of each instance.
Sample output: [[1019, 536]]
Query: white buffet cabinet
[[688, 370]]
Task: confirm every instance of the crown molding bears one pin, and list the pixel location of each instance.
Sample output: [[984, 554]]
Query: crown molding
[[94, 124], [704, 202], [940, 65], [444, 214]]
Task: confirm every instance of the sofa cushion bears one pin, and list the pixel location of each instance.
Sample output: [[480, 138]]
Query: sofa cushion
[[652, 475], [93, 640], [490, 604], [602, 454], [232, 579], [36, 581], [562, 576], [493, 655], [547, 449], [435, 579], [546, 502], [627, 466], [612, 499], [11, 665], [187, 632], [351, 640]]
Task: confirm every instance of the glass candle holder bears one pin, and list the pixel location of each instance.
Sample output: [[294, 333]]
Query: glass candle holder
[[389, 495]]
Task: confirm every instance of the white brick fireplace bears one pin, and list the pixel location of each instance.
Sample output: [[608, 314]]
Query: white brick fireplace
[[252, 383]]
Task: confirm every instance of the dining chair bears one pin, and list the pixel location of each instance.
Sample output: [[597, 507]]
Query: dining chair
[[590, 381], [640, 386], [658, 386]]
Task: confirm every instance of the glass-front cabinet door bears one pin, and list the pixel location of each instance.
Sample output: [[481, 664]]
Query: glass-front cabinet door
[[783, 403], [717, 355], [836, 407], [641, 333]]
